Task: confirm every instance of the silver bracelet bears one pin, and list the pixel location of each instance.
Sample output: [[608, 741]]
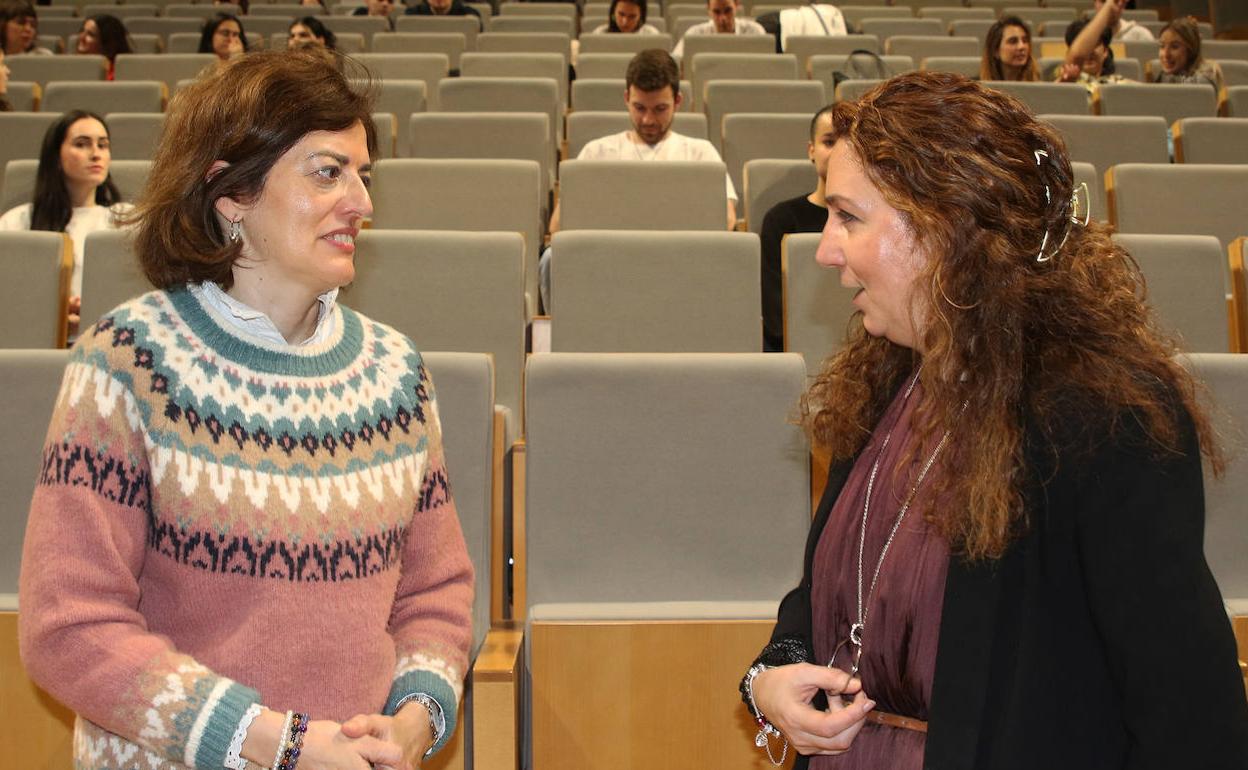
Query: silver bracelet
[[765, 729], [281, 739], [437, 720]]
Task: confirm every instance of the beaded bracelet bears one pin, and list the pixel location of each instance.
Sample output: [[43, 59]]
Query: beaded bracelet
[[765, 729], [288, 749], [281, 739]]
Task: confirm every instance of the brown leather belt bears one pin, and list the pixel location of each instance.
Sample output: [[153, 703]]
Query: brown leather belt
[[896, 720]]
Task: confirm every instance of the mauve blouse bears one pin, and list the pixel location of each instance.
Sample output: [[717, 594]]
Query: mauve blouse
[[903, 615]]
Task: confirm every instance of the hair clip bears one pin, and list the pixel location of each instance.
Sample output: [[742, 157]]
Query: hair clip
[[1074, 219]]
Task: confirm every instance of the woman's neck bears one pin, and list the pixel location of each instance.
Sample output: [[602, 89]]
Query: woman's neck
[[288, 307], [820, 196], [81, 195]]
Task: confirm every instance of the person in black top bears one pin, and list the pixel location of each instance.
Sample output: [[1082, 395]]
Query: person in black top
[[442, 8], [803, 214]]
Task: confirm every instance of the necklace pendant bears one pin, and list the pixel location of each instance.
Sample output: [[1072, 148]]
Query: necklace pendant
[[855, 633], [760, 740]]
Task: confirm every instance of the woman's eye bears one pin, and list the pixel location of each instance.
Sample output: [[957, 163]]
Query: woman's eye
[[845, 216], [329, 173]]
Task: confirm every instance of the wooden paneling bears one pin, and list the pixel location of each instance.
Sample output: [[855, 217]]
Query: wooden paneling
[[36, 732], [648, 694]]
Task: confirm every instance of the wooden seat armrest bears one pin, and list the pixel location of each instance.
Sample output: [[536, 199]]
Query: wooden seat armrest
[[496, 706]]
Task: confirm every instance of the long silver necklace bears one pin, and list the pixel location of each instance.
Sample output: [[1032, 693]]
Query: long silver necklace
[[859, 627]]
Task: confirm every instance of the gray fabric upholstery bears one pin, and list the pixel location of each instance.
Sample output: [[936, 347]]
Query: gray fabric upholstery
[[566, 10], [110, 274], [1212, 140], [1234, 71], [525, 24], [606, 42], [448, 291], [699, 44], [429, 67], [525, 42], [919, 47], [1182, 198], [503, 94], [21, 96], [592, 66], [1172, 101], [724, 97], [30, 380], [164, 26], [1106, 141], [977, 28], [767, 182], [822, 67], [1087, 173], [673, 195], [453, 44], [750, 136], [806, 46], [29, 299], [962, 65], [660, 478], [885, 28], [468, 26], [665, 292], [607, 95], [512, 135], [19, 180], [469, 194], [464, 384], [817, 308], [1226, 518], [23, 136], [1047, 98], [368, 26], [403, 99], [521, 65], [1186, 280], [584, 127], [705, 67], [102, 97], [856, 14], [45, 69], [134, 135], [167, 67], [387, 128]]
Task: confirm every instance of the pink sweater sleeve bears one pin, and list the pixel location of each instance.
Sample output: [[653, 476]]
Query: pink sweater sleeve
[[432, 616], [81, 634]]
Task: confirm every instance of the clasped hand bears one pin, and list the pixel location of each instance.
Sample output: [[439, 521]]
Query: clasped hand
[[368, 740], [784, 694]]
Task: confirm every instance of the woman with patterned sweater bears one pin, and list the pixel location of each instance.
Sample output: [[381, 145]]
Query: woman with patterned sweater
[[242, 550]]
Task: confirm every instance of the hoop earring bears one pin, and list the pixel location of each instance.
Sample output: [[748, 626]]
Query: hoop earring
[[236, 229]]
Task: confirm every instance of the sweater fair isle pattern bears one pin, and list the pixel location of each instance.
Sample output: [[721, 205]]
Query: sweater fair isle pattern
[[220, 522]]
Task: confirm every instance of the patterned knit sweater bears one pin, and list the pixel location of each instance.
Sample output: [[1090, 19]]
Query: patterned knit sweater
[[220, 522]]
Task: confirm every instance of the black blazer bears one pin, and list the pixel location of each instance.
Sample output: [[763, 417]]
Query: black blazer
[[1098, 641]]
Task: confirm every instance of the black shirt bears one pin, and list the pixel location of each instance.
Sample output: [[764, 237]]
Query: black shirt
[[796, 215]]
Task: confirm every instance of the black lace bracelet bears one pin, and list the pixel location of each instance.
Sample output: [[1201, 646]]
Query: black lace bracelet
[[781, 652]]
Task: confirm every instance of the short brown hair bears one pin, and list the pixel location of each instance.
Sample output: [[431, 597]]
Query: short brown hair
[[651, 70], [247, 113]]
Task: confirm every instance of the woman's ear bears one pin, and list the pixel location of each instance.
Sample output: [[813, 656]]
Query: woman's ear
[[226, 207]]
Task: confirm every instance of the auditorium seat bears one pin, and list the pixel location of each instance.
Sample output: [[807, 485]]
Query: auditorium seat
[[285, 10], [199, 11], [24, 97], [1172, 101], [584, 126], [454, 291], [698, 44], [962, 65], [601, 65], [1034, 15], [525, 42], [164, 27], [1047, 98], [526, 24], [644, 477], [19, 180], [1106, 141], [468, 26], [513, 135], [1187, 198], [45, 69], [1211, 140], [702, 68], [606, 42], [1236, 102], [110, 274], [884, 28], [654, 292], [1223, 49], [505, 94], [822, 67], [1186, 280], [1234, 72], [1239, 293], [166, 67], [724, 97], [977, 28], [101, 97], [123, 12], [138, 43], [134, 135], [1086, 173], [386, 126], [453, 44], [518, 65], [470, 194], [368, 26], [401, 98], [673, 195], [23, 136], [33, 309], [856, 14], [919, 47], [749, 136], [806, 46], [429, 67], [817, 308], [768, 182], [567, 11], [948, 13]]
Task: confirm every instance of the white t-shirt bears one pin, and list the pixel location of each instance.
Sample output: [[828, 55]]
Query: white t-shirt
[[1133, 32], [673, 147], [84, 220], [743, 27]]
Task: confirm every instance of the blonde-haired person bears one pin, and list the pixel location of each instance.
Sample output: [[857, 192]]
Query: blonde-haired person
[[1181, 60], [1013, 524], [244, 535], [1008, 54]]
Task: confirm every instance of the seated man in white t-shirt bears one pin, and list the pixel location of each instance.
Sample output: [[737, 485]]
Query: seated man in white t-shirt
[[652, 93], [1124, 29], [723, 21]]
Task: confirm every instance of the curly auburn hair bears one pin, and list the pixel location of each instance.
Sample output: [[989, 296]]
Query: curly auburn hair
[[1066, 347]]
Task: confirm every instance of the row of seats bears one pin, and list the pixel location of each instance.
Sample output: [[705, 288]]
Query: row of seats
[[661, 570]]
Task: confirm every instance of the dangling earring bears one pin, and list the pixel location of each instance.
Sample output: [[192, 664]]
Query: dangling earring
[[236, 229]]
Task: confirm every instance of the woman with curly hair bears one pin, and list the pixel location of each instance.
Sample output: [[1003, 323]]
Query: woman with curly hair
[[1006, 569]]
